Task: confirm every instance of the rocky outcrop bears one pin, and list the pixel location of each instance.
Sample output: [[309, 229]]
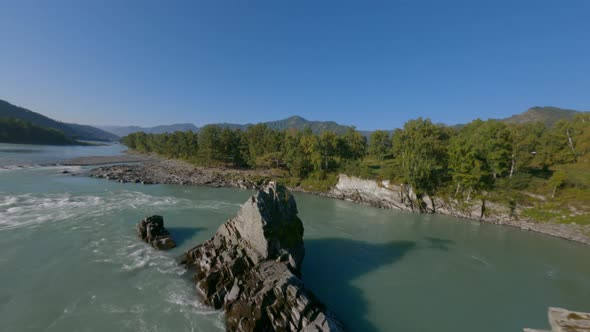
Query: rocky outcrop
[[151, 230], [384, 194], [562, 320], [252, 266]]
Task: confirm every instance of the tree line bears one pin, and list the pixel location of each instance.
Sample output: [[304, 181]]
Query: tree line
[[463, 161]]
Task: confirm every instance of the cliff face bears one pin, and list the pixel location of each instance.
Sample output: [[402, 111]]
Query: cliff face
[[386, 195], [251, 268]]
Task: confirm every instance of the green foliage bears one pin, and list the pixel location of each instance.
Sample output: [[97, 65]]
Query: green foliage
[[380, 144], [319, 181], [420, 149], [514, 164]]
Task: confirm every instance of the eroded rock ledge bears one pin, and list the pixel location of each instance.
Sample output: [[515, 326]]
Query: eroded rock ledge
[[384, 194], [252, 266]]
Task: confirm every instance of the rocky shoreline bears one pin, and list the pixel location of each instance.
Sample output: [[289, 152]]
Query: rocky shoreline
[[177, 172], [368, 192], [105, 160]]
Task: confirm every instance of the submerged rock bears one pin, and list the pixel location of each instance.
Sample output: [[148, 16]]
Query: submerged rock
[[252, 266], [562, 320], [152, 231]]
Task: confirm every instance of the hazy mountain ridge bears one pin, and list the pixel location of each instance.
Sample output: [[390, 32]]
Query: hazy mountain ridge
[[126, 130], [549, 115], [293, 122], [71, 130]]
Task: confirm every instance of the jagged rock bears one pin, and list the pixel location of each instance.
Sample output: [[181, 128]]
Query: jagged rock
[[562, 320], [251, 268], [152, 231]]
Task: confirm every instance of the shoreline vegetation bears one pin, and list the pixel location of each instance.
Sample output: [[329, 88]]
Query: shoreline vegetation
[[530, 175], [366, 192], [533, 165]]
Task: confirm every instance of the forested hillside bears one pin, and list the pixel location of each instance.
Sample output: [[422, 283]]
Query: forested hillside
[[548, 115], [71, 130], [527, 163], [19, 131]]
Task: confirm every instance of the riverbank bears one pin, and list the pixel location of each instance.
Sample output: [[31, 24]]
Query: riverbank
[[107, 160], [368, 192]]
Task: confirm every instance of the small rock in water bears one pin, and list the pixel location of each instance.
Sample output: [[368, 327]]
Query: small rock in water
[[151, 230]]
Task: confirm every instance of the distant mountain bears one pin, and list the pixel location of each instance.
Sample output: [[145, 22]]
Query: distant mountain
[[71, 130], [295, 122], [24, 132], [548, 115], [300, 123], [124, 131]]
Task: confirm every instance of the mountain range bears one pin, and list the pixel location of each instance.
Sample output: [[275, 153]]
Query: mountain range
[[295, 122], [548, 115], [70, 130]]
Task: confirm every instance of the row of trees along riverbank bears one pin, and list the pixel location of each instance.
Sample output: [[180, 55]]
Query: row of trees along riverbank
[[527, 164]]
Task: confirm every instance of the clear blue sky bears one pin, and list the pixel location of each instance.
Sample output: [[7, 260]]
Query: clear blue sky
[[373, 64]]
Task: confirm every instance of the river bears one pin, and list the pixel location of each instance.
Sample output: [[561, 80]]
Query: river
[[70, 259]]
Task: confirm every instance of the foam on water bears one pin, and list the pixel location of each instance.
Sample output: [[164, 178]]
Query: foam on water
[[30, 210]]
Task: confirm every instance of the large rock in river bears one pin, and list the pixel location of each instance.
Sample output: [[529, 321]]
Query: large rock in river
[[151, 230], [252, 266]]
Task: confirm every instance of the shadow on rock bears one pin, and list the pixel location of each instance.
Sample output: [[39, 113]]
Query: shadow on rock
[[183, 234], [331, 265]]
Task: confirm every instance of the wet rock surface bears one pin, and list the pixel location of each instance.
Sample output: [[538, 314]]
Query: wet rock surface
[[251, 268], [563, 320], [151, 230]]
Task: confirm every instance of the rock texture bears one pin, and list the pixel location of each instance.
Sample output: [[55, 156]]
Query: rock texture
[[384, 194], [178, 172], [251, 268], [151, 230], [562, 320]]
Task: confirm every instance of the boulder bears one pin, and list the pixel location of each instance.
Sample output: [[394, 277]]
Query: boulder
[[252, 266], [563, 320], [151, 230]]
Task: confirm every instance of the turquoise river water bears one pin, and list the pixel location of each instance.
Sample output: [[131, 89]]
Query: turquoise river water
[[70, 259]]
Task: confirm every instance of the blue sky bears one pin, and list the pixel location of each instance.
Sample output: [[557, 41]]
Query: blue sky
[[373, 64]]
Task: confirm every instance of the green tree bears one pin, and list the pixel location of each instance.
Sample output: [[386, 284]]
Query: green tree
[[379, 144], [209, 144], [557, 180], [420, 155], [352, 145]]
